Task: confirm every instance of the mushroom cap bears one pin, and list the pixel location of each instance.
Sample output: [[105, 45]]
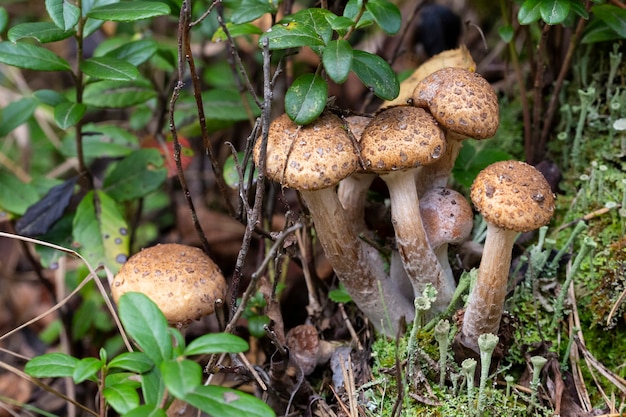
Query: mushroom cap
[[303, 343], [401, 138], [182, 280], [309, 157], [461, 101], [446, 215], [513, 195]]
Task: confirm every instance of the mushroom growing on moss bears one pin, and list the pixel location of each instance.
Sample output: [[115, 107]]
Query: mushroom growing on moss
[[313, 159], [181, 280], [396, 144], [513, 197], [465, 106]]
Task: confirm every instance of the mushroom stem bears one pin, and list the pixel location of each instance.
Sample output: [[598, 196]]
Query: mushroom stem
[[437, 174], [486, 301], [352, 194], [418, 258], [358, 265]]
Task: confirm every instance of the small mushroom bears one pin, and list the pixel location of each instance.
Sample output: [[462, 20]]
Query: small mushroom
[[448, 220], [313, 159], [307, 349], [396, 144], [513, 197], [181, 280], [465, 105]]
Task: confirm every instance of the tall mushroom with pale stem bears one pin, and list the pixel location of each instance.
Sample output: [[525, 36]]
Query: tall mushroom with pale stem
[[513, 197], [396, 143], [466, 106], [313, 159]]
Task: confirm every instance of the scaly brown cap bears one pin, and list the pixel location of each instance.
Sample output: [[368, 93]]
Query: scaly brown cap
[[309, 157], [446, 215], [461, 101], [182, 280], [401, 138], [513, 195]]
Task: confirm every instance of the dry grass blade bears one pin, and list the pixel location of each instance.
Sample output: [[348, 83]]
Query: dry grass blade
[[581, 389]]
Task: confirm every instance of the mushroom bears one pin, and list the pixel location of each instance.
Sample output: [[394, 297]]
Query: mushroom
[[465, 105], [513, 197], [395, 144], [307, 349], [181, 280], [313, 159], [352, 190], [447, 219]]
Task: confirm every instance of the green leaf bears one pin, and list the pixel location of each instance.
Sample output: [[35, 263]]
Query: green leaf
[[129, 11], [16, 113], [579, 8], [598, 31], [469, 162], [306, 98], [353, 10], [64, 14], [43, 32], [337, 60], [340, 295], [529, 12], [235, 30], [137, 362], [256, 325], [216, 343], [136, 176], [386, 15], [376, 74], [23, 55], [86, 368], [181, 377], [249, 10], [15, 196], [554, 12], [225, 402], [101, 141], [51, 365], [122, 398], [68, 114], [308, 27], [146, 324], [50, 97], [146, 411], [109, 68], [152, 387], [226, 104], [118, 94], [230, 173], [612, 16], [135, 52], [4, 19], [506, 33], [100, 231]]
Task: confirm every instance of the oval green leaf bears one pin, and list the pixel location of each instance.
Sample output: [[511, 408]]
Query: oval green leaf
[[612, 16], [529, 12], [135, 52], [506, 33], [235, 30], [122, 398], [4, 19], [129, 11], [86, 368], [146, 411], [181, 377], [118, 94], [306, 98], [68, 114], [23, 55], [100, 231], [109, 68], [386, 15], [137, 362], [43, 32], [249, 10], [16, 113], [376, 74], [337, 60], [146, 324], [15, 196], [63, 13], [135, 176], [216, 343], [225, 402], [51, 365], [308, 27], [554, 12]]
